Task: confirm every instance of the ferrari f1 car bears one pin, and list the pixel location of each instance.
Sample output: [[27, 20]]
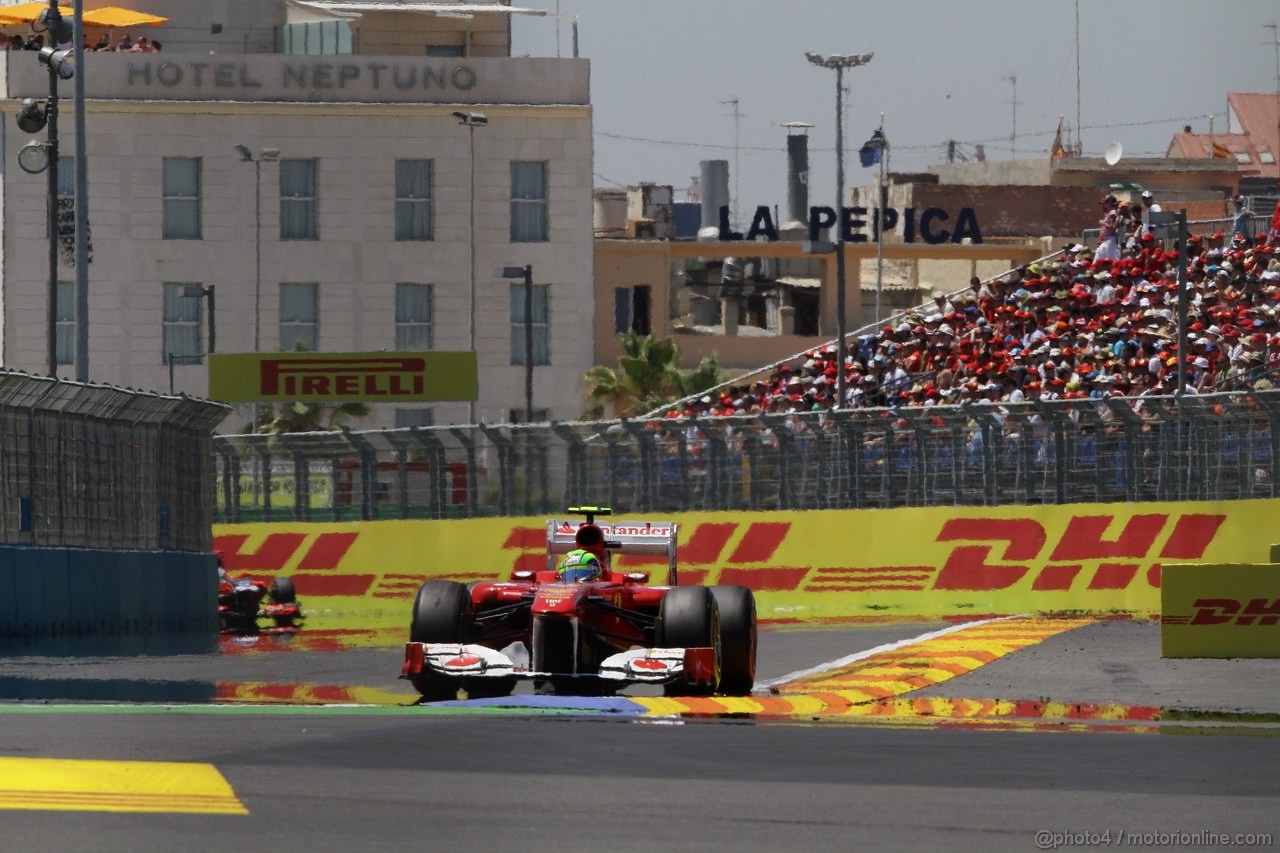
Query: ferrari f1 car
[[587, 637], [243, 600]]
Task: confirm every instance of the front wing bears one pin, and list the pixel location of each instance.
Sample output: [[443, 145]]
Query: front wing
[[694, 667]]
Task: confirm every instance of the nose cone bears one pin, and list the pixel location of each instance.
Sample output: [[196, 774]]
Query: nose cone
[[559, 599]]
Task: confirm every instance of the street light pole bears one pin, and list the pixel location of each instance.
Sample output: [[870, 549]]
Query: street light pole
[[526, 272], [51, 113], [840, 63], [247, 156], [81, 201], [471, 121]]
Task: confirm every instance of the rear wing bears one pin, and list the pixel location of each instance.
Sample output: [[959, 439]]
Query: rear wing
[[652, 538]]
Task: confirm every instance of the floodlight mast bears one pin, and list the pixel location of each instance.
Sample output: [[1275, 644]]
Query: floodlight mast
[[840, 62]]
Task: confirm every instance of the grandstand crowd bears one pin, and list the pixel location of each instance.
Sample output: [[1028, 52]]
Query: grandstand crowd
[[1087, 323]]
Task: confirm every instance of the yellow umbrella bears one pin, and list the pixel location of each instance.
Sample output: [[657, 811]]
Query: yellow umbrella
[[28, 13], [114, 16], [107, 16]]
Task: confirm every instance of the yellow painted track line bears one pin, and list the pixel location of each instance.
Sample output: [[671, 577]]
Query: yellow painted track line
[[115, 786], [935, 660], [871, 686]]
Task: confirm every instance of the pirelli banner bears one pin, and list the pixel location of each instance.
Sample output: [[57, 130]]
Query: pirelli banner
[[316, 377], [813, 565]]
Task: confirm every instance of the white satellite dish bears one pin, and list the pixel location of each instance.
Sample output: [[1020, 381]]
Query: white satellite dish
[[1113, 153]]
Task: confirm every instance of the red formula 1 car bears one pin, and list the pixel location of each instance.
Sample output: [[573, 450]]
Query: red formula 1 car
[[589, 637], [243, 600]]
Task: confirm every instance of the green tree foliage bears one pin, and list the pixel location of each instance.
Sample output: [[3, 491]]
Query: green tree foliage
[[648, 376]]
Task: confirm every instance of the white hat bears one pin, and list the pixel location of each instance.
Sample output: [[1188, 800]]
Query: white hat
[[1146, 193], [1201, 362]]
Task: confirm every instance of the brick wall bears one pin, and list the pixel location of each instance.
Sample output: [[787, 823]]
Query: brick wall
[[1017, 211]]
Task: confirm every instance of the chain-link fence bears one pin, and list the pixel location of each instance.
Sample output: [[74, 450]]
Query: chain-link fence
[[1211, 447], [103, 467]]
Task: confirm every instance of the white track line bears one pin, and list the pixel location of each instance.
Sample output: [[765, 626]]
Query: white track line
[[764, 686]]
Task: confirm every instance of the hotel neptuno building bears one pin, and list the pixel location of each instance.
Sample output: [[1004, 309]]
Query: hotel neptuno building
[[304, 159]]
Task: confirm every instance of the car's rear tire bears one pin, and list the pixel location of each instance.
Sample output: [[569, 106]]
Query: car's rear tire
[[688, 619], [282, 591], [441, 614], [737, 606]]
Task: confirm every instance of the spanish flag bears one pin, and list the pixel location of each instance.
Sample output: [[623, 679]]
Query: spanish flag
[[1058, 150], [1221, 151]]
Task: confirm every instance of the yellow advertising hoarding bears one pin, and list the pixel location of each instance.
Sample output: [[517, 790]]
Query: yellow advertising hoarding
[[803, 566], [318, 377], [1220, 611]]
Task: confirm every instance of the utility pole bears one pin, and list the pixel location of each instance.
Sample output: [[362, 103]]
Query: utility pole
[[737, 136], [1079, 126], [1275, 44], [1013, 137]]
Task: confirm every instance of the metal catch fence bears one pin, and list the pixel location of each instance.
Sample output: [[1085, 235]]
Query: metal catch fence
[[1211, 447], [103, 467]]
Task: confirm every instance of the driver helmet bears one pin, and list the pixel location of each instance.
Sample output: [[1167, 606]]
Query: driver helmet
[[578, 566]]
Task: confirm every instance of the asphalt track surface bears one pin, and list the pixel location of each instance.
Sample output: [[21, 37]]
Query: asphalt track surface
[[328, 779]]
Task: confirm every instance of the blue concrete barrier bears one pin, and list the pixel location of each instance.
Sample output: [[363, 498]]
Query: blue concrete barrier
[[53, 592]]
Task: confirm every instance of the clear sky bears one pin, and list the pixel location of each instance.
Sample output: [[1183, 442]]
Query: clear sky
[[659, 69]]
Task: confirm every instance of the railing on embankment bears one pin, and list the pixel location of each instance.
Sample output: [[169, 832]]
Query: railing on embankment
[[1203, 448]]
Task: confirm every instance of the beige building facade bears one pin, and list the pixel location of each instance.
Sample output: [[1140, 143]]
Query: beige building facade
[[355, 228]]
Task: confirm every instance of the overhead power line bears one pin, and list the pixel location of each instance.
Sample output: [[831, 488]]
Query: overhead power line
[[932, 145]]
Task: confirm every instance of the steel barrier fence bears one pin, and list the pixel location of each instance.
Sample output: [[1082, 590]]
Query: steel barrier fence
[[97, 466], [1211, 447]]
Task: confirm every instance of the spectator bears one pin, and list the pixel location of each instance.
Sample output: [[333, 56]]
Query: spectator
[[1240, 225], [104, 43], [1109, 236], [1149, 207], [125, 44]]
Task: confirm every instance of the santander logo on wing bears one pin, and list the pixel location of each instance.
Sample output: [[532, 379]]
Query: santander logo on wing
[[634, 528]]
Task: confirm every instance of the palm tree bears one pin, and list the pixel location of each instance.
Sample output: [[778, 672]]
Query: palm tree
[[647, 377], [309, 417]]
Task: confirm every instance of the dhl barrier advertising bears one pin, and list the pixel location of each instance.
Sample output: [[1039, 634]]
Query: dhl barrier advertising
[[316, 377], [1220, 611], [803, 566]]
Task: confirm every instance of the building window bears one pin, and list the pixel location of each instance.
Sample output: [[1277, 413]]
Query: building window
[[414, 418], [1243, 157], [528, 201], [66, 331], [66, 178], [444, 50], [299, 317], [298, 200], [319, 38], [540, 416], [413, 200], [1265, 156], [181, 198], [414, 305], [181, 322], [631, 310], [541, 328]]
